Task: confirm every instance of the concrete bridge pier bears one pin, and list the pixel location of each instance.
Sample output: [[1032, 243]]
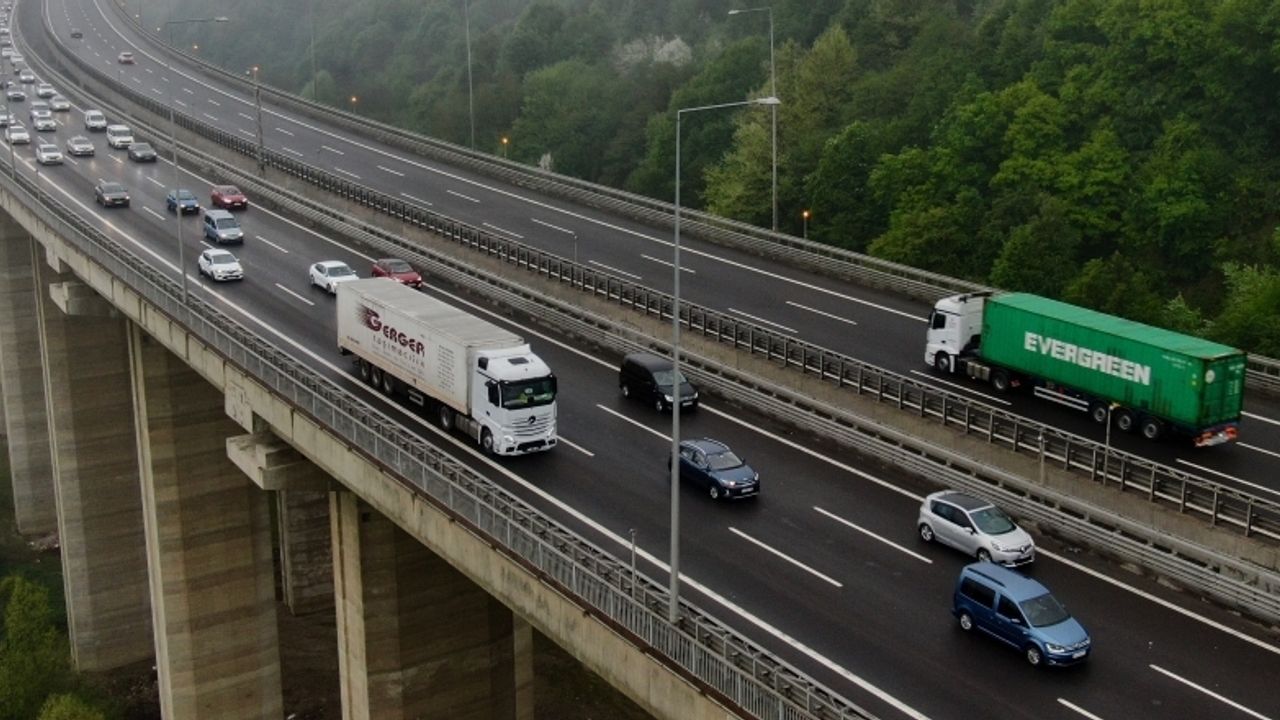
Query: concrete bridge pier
[[208, 540], [417, 638], [85, 350], [22, 379]]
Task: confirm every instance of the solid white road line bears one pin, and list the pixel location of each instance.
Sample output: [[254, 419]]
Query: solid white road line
[[575, 446], [296, 295], [464, 197], [418, 200], [345, 172], [1232, 478], [386, 169], [873, 536], [668, 263], [962, 388], [784, 556], [1078, 709], [1260, 418], [504, 231], [265, 241], [1220, 698], [749, 316], [824, 313], [614, 269]]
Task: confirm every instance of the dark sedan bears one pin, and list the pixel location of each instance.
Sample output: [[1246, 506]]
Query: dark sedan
[[717, 469], [142, 152], [398, 270], [111, 194], [184, 199]]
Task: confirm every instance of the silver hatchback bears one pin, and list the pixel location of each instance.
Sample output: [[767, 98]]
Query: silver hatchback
[[975, 527]]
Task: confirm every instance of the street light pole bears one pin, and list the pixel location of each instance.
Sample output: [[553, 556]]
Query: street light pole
[[673, 609], [312, 21], [8, 112], [773, 114], [471, 101], [257, 104], [805, 216]]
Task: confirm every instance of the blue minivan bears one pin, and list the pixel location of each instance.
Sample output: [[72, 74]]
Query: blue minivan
[[1018, 611]]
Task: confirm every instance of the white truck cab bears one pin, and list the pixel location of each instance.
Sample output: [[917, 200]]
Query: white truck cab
[[955, 325], [513, 397]]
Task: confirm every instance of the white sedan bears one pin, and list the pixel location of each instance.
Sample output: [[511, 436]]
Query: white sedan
[[48, 154], [328, 274], [17, 135], [219, 265]]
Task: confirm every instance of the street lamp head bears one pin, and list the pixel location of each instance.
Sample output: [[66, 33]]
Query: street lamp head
[[807, 214], [222, 18], [771, 100]]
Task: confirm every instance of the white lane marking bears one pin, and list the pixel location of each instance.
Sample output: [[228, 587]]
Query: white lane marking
[[247, 133], [157, 91], [345, 172], [117, 159], [386, 169], [335, 151], [157, 215], [282, 130], [614, 269], [464, 197], [872, 535], [179, 102], [1220, 698], [415, 199], [246, 116], [209, 116], [505, 231], [749, 316], [164, 78], [291, 151], [784, 556], [824, 313], [1078, 709], [214, 103], [296, 295], [1260, 418], [155, 182], [1255, 448], [958, 386], [150, 71], [575, 446], [265, 241], [136, 79], [668, 263], [206, 243], [566, 231], [188, 91], [1232, 478], [624, 418]]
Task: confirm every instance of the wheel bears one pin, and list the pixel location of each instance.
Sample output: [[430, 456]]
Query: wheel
[[445, 417], [659, 405], [942, 362], [984, 555], [1033, 656], [388, 384], [486, 442], [626, 390], [1152, 428], [966, 621], [926, 533], [1098, 412], [1000, 381], [375, 377], [365, 371], [1124, 419], [714, 491]]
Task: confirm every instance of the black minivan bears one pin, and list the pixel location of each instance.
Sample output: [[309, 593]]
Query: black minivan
[[648, 378]]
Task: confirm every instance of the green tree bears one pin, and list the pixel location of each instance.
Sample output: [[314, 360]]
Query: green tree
[[840, 189], [1039, 256], [571, 111], [70, 707], [33, 654], [1115, 285], [1250, 318]]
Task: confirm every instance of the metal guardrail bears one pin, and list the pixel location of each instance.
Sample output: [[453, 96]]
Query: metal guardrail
[[1263, 373], [1187, 493], [737, 671]]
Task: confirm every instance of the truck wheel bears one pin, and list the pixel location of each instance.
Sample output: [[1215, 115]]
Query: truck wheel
[[388, 384], [626, 390], [445, 417], [375, 376], [1152, 428], [1124, 419], [942, 362], [1000, 381], [1098, 412], [364, 370], [486, 442]]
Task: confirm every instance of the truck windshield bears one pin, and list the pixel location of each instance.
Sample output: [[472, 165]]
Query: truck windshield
[[529, 393]]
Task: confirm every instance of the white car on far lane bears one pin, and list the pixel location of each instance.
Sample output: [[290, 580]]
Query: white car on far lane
[[328, 274]]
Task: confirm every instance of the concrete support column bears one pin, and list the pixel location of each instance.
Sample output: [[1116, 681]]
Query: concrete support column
[[90, 406], [306, 552], [208, 549], [416, 638], [22, 378]]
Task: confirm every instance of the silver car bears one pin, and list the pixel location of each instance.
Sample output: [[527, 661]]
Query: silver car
[[975, 527], [48, 154]]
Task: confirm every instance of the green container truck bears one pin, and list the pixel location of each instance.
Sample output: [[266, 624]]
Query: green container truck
[[1148, 379]]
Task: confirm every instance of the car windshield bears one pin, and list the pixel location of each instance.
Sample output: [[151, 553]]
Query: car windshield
[[529, 393], [225, 223], [724, 460], [228, 190], [140, 147], [113, 188], [186, 195], [663, 377], [1044, 610], [339, 271], [222, 259], [396, 266], [992, 521]]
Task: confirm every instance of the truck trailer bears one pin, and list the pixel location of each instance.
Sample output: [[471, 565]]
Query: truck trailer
[[1147, 379], [468, 374]]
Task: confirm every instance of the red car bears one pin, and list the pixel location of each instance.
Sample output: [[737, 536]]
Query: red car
[[398, 270], [228, 197]]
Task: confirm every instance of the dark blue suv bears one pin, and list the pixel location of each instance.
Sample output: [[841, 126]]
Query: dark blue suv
[[717, 469], [1018, 611]]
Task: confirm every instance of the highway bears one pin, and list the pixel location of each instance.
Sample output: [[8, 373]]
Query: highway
[[825, 568]]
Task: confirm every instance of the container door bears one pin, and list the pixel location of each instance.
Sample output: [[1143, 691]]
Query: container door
[[1223, 394]]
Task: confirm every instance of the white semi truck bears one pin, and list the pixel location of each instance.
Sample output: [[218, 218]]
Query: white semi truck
[[469, 374]]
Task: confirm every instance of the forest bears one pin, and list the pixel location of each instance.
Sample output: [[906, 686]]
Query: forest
[[1119, 154]]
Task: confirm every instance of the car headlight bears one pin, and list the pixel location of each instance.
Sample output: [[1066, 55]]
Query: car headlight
[[729, 483], [508, 440], [1055, 648], [995, 545], [668, 398], [755, 477]]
